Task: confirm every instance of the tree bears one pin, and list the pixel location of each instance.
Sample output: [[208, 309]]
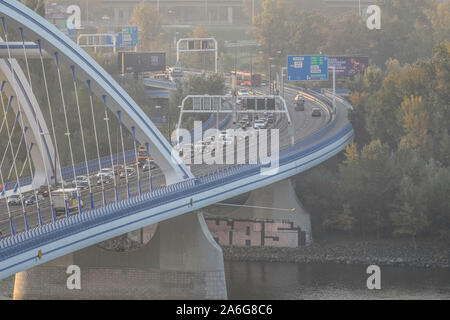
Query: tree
[[441, 22], [149, 22], [342, 221], [414, 120], [410, 217], [351, 154], [270, 28], [36, 5]]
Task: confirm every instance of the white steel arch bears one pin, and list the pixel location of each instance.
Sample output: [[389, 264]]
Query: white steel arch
[[35, 28], [15, 84]]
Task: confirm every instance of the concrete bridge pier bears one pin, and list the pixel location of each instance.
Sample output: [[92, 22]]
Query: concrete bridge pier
[[181, 261]]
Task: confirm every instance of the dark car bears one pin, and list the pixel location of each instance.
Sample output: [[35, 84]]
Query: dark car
[[299, 103], [316, 112], [299, 107], [149, 166], [43, 191], [32, 200]]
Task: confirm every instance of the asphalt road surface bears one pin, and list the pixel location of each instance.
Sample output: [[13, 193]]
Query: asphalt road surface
[[303, 125]]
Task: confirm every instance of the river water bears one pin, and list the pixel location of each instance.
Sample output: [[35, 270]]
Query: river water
[[273, 280], [292, 281]]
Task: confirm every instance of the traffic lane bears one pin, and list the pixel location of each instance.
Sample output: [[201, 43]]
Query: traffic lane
[[46, 212], [304, 125], [303, 122]]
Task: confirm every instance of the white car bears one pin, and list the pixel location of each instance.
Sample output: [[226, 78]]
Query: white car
[[227, 140], [105, 171], [129, 172], [200, 146], [224, 135], [106, 174], [15, 200], [259, 124]]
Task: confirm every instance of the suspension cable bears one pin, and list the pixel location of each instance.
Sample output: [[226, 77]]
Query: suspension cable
[[96, 140], [14, 164], [82, 136], [147, 146], [57, 157], [11, 223], [18, 148], [119, 113], [80, 210], [133, 129], [18, 113], [22, 124], [110, 147], [39, 138]]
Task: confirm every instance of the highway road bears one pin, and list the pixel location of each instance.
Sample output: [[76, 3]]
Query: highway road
[[303, 125]]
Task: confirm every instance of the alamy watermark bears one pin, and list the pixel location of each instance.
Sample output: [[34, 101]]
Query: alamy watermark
[[373, 21], [74, 280], [374, 280]]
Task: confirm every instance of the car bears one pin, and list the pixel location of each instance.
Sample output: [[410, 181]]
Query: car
[[299, 107], [200, 146], [316, 112], [245, 120], [105, 177], [149, 166], [83, 185], [105, 174], [80, 180], [128, 171], [184, 148], [105, 171], [243, 92], [32, 199], [264, 119], [43, 190], [15, 200], [227, 140], [270, 118], [210, 139], [223, 134], [299, 101], [259, 124]]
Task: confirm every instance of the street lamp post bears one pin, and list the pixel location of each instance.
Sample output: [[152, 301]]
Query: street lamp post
[[251, 71], [283, 69], [270, 75]]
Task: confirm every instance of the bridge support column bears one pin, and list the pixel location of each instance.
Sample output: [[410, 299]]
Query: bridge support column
[[181, 261]]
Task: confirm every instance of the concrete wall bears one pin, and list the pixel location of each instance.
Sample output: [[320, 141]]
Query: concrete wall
[[244, 233], [269, 217]]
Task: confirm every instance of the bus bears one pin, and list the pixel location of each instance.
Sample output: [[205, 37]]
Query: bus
[[60, 197], [248, 79]]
